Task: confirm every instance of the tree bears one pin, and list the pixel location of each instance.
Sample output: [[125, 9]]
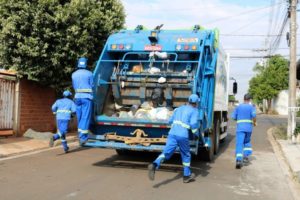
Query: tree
[[269, 80], [42, 39]]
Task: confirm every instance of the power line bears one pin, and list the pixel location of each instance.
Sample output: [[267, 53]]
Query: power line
[[242, 13], [255, 57], [252, 22]]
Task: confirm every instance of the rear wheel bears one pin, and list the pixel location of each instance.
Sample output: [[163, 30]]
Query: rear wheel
[[216, 132], [207, 153], [122, 152]]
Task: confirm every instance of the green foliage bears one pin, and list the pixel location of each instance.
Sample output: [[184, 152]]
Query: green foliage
[[270, 80], [231, 98], [297, 130], [43, 39]]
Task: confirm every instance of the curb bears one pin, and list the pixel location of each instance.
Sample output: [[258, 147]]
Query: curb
[[278, 149], [70, 139]]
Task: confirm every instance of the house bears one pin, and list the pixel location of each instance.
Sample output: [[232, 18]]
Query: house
[[24, 104]]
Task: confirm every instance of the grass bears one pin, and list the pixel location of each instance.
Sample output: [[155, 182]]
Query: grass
[[280, 132]]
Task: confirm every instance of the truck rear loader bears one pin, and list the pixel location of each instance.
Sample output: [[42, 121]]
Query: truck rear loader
[[143, 75]]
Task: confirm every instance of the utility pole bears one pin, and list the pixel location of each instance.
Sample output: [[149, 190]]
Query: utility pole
[[292, 71]]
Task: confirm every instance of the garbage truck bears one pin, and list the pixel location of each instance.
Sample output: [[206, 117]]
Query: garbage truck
[[142, 75]]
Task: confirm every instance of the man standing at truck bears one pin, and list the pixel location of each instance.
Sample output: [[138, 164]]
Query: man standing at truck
[[82, 80], [245, 116], [184, 119], [63, 108]]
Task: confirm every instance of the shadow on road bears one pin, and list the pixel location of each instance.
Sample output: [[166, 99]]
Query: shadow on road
[[74, 150]]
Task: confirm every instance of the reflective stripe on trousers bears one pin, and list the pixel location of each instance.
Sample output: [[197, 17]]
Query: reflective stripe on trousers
[[84, 90]]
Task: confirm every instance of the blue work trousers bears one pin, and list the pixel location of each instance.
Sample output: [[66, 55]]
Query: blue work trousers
[[243, 145], [173, 142], [84, 114], [62, 129]]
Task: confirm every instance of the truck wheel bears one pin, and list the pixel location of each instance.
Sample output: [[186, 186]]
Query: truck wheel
[[207, 154], [217, 132], [121, 152]]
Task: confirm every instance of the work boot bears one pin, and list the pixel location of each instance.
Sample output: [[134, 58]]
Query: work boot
[[246, 160], [190, 178], [238, 164], [66, 150], [151, 171], [51, 142]]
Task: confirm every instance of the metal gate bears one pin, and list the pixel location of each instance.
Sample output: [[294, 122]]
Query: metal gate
[[7, 97]]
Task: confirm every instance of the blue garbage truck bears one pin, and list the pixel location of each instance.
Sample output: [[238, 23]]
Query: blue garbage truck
[[142, 75]]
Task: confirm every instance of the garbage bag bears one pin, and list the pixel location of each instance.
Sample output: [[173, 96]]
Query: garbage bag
[[146, 105], [143, 114], [163, 113], [153, 70]]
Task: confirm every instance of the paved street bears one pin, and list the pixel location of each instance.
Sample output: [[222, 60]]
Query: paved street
[[101, 174]]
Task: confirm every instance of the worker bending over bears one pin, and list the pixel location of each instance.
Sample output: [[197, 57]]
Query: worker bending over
[[184, 119]]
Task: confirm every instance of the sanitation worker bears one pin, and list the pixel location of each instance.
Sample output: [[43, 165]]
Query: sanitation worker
[[82, 80], [245, 116], [184, 119], [63, 108]]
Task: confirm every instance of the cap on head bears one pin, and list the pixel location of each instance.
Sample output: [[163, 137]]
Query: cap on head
[[82, 62], [67, 93], [247, 97], [194, 98]]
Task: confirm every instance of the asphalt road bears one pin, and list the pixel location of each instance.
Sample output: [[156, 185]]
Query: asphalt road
[[101, 174]]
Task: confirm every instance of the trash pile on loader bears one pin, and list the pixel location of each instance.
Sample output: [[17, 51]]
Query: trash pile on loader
[[146, 112]]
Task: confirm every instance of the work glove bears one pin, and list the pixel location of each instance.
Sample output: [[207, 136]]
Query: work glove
[[196, 135]]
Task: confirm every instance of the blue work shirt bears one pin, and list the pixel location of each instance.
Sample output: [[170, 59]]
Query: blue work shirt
[[244, 114], [63, 108], [83, 83], [184, 118]]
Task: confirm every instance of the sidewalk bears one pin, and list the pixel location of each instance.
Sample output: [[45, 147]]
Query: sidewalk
[[291, 153], [19, 145]]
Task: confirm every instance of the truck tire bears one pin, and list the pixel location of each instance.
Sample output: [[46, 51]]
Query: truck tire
[[207, 154], [217, 131], [122, 152]]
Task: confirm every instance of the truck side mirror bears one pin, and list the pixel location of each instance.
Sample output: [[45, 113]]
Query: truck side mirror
[[235, 87]]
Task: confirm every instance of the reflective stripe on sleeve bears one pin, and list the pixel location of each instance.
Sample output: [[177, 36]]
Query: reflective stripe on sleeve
[[63, 140], [247, 149], [63, 111], [244, 121], [182, 124], [84, 90], [186, 164]]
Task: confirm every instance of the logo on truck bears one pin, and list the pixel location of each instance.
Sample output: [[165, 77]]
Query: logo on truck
[[153, 48]]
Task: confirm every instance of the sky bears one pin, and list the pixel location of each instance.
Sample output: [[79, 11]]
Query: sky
[[236, 20]]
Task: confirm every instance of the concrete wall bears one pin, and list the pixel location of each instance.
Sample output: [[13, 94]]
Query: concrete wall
[[280, 104], [35, 107]]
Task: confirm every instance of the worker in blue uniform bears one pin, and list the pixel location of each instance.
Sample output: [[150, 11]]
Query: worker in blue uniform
[[82, 80], [63, 108], [245, 116], [184, 119]]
